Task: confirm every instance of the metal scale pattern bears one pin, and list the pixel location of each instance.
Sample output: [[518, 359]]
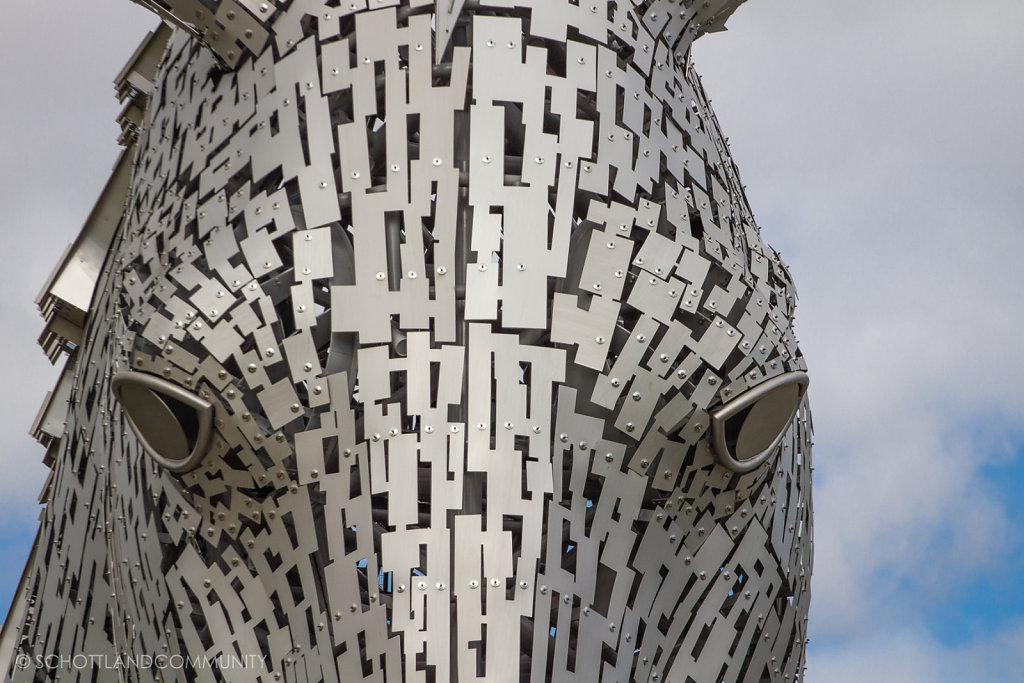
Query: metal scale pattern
[[464, 308]]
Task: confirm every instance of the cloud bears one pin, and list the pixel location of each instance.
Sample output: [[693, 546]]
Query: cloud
[[902, 655], [882, 149]]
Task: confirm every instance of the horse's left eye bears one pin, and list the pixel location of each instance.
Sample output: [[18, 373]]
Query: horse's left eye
[[745, 431], [172, 424]]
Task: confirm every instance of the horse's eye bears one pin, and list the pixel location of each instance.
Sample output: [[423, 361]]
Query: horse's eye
[[172, 424], [745, 431]]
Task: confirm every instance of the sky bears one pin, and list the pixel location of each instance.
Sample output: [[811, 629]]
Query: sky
[[883, 149]]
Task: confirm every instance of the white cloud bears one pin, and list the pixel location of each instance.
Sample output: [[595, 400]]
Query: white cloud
[[902, 655], [882, 146]]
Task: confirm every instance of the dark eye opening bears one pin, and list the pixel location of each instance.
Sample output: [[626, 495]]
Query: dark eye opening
[[173, 425], [746, 431], [187, 418], [733, 425]]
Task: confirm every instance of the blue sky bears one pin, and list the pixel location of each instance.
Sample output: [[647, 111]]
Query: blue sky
[[883, 151], [982, 606]]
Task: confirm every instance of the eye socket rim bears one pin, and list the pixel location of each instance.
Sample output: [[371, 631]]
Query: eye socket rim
[[204, 417], [721, 416]]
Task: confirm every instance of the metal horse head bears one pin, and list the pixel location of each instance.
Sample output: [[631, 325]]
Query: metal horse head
[[434, 342]]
